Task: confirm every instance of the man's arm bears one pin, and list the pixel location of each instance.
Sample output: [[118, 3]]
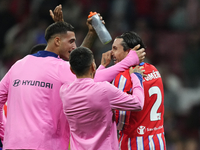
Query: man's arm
[[89, 39], [4, 86], [123, 101], [132, 59], [91, 35]]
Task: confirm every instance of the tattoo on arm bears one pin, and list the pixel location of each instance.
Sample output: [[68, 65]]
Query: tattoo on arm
[[89, 40]]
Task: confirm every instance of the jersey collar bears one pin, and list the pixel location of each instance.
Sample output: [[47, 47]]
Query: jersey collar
[[45, 54]]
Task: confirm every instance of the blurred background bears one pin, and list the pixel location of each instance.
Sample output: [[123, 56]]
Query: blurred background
[[170, 30]]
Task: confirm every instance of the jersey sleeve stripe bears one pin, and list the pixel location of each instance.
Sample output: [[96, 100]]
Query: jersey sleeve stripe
[[122, 83], [121, 121]]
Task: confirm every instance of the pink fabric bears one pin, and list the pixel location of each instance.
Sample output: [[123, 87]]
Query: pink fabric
[[88, 107], [108, 74], [34, 114]]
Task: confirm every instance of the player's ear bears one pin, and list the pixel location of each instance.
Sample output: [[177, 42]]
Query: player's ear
[[93, 66], [57, 41], [72, 70]]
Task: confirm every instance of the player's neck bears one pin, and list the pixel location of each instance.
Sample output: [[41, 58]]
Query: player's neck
[[89, 74], [51, 48]]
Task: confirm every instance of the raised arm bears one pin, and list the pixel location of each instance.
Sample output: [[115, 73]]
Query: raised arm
[[57, 14], [91, 35], [132, 59]]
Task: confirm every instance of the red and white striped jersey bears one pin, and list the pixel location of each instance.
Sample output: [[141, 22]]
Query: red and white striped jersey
[[142, 130]]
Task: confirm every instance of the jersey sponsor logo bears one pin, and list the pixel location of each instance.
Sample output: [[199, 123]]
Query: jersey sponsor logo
[[18, 82], [155, 128], [152, 75], [141, 130]]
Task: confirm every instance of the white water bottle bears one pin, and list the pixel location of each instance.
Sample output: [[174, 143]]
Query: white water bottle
[[100, 28]]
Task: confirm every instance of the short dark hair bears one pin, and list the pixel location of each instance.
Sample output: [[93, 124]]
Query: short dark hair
[[130, 40], [80, 60], [57, 28], [37, 48]]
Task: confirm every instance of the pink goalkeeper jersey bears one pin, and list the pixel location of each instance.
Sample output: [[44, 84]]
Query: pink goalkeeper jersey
[[35, 118], [89, 106]]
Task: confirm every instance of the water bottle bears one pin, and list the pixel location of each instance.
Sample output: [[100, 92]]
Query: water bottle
[[100, 28]]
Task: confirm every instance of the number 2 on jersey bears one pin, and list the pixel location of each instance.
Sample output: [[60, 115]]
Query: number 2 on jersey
[[154, 116]]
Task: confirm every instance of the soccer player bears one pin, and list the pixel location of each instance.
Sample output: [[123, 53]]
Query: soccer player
[[88, 105], [139, 130]]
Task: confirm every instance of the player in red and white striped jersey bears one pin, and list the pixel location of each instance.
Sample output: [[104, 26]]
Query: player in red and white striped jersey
[[141, 130]]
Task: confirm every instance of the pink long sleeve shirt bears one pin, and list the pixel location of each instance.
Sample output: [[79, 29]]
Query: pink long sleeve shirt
[[89, 106], [35, 118]]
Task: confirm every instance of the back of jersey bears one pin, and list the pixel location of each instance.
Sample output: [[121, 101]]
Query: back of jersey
[[34, 104], [143, 129]]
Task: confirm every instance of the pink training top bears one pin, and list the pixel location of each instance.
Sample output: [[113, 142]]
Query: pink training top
[[35, 119], [34, 110], [88, 107]]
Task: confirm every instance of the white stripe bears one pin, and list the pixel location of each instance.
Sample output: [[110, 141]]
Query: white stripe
[[122, 83], [122, 116], [120, 143], [129, 143], [140, 144], [151, 143], [160, 141], [113, 82]]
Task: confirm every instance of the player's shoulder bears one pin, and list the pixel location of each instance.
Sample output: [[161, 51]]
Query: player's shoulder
[[103, 83], [124, 73], [149, 66], [65, 87], [151, 72]]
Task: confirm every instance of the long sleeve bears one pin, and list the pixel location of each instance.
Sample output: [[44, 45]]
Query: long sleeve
[[4, 86], [123, 101], [100, 67], [108, 74]]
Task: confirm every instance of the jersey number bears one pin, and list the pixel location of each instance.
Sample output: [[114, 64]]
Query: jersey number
[[154, 116]]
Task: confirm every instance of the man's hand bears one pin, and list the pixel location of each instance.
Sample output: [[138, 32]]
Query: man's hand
[[137, 69], [91, 35], [89, 23], [106, 58], [57, 14], [141, 52]]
